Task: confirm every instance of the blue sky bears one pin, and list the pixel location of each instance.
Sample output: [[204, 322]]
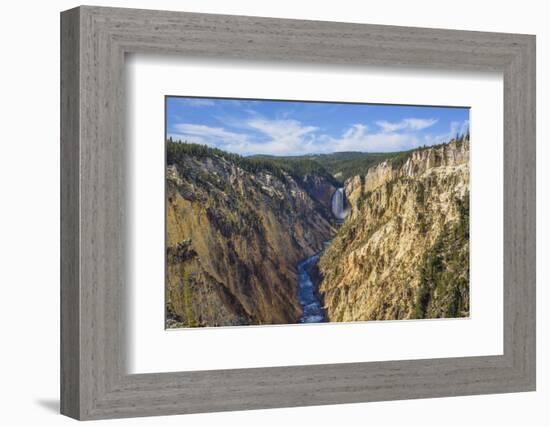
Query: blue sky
[[251, 127]]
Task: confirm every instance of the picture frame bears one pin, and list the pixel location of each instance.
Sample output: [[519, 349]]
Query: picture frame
[[94, 268]]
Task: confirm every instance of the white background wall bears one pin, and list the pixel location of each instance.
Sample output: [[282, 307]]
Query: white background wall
[[29, 213]]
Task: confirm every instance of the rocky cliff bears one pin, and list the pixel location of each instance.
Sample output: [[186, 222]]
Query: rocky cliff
[[236, 229], [403, 252]]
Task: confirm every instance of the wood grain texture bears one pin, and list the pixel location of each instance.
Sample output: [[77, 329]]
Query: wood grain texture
[[94, 201], [70, 314]]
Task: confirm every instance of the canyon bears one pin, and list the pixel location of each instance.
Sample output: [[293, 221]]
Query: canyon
[[271, 240], [236, 230]]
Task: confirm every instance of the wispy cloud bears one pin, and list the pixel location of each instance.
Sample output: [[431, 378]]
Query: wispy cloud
[[282, 136], [281, 129], [455, 128], [195, 102], [358, 138], [251, 128], [213, 136], [459, 127], [290, 137], [406, 124], [258, 136], [210, 132]]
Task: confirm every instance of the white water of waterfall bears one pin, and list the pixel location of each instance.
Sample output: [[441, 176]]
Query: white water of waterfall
[[338, 204]]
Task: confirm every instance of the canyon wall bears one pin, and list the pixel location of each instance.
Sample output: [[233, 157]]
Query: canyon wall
[[403, 252], [235, 231]]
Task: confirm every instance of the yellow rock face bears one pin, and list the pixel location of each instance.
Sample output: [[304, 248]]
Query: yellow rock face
[[403, 252], [234, 238]]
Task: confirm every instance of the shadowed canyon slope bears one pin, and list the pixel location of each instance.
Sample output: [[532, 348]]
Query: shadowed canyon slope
[[403, 252], [236, 229]]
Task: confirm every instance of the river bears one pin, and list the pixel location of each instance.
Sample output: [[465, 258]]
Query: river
[[308, 294]]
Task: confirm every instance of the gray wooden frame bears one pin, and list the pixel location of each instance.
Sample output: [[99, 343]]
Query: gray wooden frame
[[94, 41]]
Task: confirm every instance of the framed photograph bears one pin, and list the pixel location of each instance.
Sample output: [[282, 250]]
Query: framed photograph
[[261, 213], [282, 212]]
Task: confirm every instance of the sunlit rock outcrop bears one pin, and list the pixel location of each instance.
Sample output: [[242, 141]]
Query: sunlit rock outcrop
[[403, 252]]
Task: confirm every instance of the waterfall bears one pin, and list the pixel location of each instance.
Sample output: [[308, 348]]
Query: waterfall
[[339, 204]]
